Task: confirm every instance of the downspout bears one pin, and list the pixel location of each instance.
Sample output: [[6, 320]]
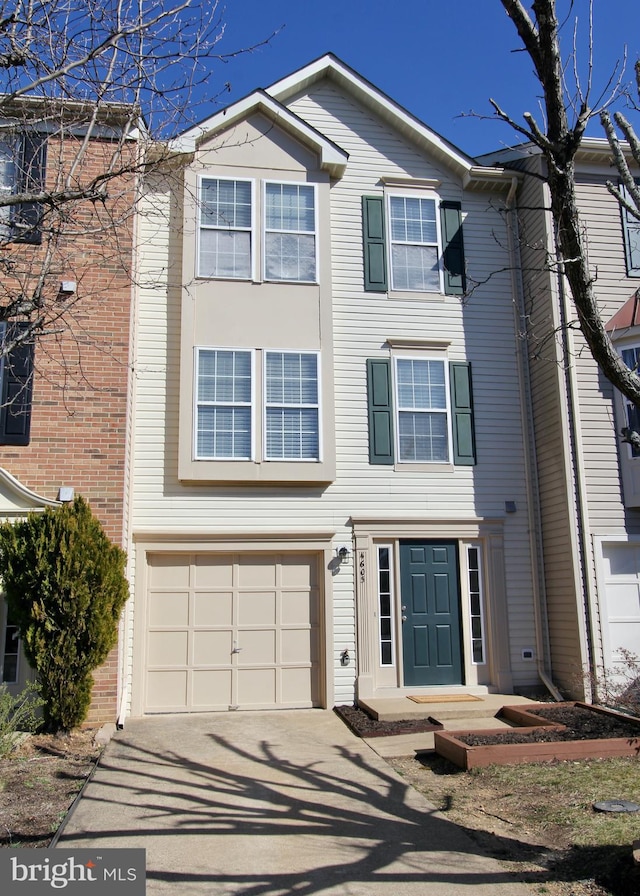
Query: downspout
[[543, 651]]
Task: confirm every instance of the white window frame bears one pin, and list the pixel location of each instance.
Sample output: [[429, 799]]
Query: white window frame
[[266, 230], [197, 403], [399, 409], [481, 616], [250, 230], [626, 404], [392, 606], [391, 242], [317, 407]]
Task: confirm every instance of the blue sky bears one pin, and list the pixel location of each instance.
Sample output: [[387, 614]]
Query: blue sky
[[437, 58]]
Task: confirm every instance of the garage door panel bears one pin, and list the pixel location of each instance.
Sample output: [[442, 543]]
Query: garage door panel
[[168, 648], [169, 609], [255, 571], [299, 571], [213, 608], [211, 648], [298, 646], [297, 685], [257, 608], [257, 687], [166, 690], [257, 647], [169, 571], [620, 602], [211, 689], [299, 608], [213, 571]]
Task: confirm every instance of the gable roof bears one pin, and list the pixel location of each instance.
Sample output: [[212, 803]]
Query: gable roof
[[627, 316], [272, 102]]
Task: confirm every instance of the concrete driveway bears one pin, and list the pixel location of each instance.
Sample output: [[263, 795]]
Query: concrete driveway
[[264, 804]]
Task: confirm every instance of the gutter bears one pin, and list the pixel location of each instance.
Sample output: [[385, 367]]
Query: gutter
[[531, 461]]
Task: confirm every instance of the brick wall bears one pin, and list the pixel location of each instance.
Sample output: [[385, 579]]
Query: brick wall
[[78, 422]]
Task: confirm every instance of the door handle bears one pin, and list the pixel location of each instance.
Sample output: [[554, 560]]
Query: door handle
[[404, 618]]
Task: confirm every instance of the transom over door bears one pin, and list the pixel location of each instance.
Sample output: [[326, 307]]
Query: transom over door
[[232, 631], [430, 602]]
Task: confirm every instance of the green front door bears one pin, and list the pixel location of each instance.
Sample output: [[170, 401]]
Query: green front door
[[430, 601]]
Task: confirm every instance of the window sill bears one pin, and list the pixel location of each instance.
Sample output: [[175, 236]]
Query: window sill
[[253, 473], [415, 296], [433, 467]]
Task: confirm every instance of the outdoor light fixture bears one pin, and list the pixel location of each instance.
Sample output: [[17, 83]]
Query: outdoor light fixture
[[342, 552]]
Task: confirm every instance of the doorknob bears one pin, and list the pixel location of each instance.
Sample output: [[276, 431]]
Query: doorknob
[[404, 618]]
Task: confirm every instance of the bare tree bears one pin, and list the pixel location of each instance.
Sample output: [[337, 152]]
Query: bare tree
[[85, 87], [569, 104]]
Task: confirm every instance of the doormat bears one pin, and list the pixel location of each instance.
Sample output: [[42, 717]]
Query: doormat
[[445, 698]]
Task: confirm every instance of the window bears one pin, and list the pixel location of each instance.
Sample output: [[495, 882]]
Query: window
[[226, 390], [421, 393], [631, 357], [476, 610], [420, 411], [631, 231], [291, 402], [385, 605], [415, 263], [11, 652], [22, 170], [290, 232], [225, 229], [426, 247], [224, 405]]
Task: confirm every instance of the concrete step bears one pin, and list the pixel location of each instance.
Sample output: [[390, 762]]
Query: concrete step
[[394, 709], [412, 744]]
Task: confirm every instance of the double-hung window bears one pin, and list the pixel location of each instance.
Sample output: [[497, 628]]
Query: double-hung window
[[422, 408], [291, 406], [224, 425], [415, 253], [22, 171], [229, 385], [290, 232], [226, 219]]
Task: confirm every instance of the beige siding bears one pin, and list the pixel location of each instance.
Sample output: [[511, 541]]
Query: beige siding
[[481, 329]]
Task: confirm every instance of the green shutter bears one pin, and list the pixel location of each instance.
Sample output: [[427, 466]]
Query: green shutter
[[464, 443], [455, 282], [631, 230], [380, 411], [27, 218], [373, 244]]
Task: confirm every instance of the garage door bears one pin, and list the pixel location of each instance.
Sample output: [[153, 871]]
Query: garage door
[[227, 631], [621, 604]]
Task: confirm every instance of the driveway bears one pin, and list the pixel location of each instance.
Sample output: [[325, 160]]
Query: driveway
[[274, 803]]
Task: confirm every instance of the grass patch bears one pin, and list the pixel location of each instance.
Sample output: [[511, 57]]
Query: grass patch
[[540, 818]]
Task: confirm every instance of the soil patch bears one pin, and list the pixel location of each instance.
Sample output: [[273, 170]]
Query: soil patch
[[361, 723], [580, 724], [38, 784]]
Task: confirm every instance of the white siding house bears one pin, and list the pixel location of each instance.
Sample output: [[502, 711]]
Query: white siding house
[[589, 479], [330, 493]]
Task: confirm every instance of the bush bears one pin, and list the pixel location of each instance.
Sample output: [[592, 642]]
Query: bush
[[65, 586], [19, 713]]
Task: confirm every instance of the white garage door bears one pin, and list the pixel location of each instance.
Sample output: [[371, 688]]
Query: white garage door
[[228, 631], [621, 603]]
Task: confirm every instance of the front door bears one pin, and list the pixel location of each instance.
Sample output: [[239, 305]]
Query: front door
[[430, 601]]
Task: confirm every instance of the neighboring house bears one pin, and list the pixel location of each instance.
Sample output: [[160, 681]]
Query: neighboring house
[[330, 479], [65, 399], [589, 479]]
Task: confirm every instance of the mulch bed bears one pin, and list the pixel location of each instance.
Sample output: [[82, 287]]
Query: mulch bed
[[581, 724], [363, 725]]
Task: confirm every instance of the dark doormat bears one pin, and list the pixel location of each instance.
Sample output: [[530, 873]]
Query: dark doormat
[[363, 725]]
